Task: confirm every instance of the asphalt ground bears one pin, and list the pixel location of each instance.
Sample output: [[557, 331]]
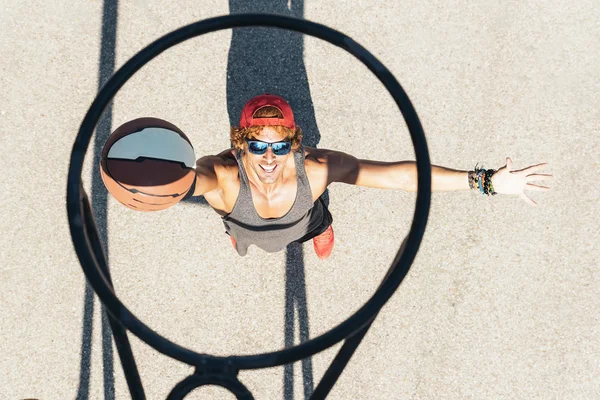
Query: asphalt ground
[[499, 303]]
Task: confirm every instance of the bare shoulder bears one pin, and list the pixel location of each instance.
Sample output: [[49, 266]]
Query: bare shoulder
[[327, 159], [223, 165], [214, 172], [318, 156], [315, 165], [326, 166], [315, 160]]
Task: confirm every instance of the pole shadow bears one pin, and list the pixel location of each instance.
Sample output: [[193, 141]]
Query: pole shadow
[[99, 198], [269, 60]]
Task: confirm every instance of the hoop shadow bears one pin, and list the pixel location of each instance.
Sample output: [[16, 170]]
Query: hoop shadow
[[267, 60]]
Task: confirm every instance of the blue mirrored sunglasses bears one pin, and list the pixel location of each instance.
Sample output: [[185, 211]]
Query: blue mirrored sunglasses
[[259, 148]]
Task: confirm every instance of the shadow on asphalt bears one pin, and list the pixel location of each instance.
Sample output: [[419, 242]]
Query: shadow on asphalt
[[261, 60], [99, 198], [268, 60]]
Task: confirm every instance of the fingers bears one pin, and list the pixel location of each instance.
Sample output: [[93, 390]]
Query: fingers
[[538, 177], [534, 168], [527, 200], [536, 188], [509, 163]]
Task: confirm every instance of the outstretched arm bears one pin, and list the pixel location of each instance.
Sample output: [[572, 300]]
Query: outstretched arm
[[398, 175], [402, 175]]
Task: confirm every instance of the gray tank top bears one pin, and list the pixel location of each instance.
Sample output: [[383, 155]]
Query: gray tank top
[[272, 234]]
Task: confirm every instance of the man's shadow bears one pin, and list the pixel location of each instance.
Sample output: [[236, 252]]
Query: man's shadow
[[268, 60], [261, 60]]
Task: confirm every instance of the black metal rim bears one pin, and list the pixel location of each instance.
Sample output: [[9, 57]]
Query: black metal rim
[[193, 382], [76, 195]]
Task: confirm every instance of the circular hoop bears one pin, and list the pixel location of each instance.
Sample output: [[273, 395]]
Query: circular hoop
[[76, 196]]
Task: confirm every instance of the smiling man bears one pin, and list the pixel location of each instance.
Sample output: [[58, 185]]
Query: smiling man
[[267, 188]]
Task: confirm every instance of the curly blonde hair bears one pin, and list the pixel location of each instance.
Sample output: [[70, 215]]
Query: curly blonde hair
[[238, 136]]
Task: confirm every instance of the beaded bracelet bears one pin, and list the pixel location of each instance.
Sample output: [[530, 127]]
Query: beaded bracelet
[[489, 188], [475, 178], [480, 182], [481, 179]]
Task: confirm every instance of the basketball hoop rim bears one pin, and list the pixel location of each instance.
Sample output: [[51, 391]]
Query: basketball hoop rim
[[77, 200]]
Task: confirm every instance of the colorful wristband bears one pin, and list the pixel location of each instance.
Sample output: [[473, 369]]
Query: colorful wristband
[[481, 179]]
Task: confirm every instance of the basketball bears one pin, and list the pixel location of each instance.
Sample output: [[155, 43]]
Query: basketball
[[148, 164]]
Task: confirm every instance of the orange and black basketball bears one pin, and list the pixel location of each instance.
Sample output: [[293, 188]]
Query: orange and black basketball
[[148, 164]]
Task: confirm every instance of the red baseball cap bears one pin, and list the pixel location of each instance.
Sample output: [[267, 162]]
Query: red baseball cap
[[254, 104]]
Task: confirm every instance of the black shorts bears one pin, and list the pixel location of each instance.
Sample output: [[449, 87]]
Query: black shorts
[[322, 226]]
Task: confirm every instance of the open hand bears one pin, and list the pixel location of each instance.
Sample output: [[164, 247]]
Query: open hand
[[507, 181]]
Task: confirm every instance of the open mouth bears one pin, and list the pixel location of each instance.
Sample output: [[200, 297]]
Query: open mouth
[[268, 170]]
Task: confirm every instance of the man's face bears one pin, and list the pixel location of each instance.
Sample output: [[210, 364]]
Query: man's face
[[268, 166]]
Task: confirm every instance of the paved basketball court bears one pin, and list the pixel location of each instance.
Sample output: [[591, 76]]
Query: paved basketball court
[[501, 300]]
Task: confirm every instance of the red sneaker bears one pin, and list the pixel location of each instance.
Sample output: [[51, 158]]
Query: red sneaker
[[323, 243], [233, 242]]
